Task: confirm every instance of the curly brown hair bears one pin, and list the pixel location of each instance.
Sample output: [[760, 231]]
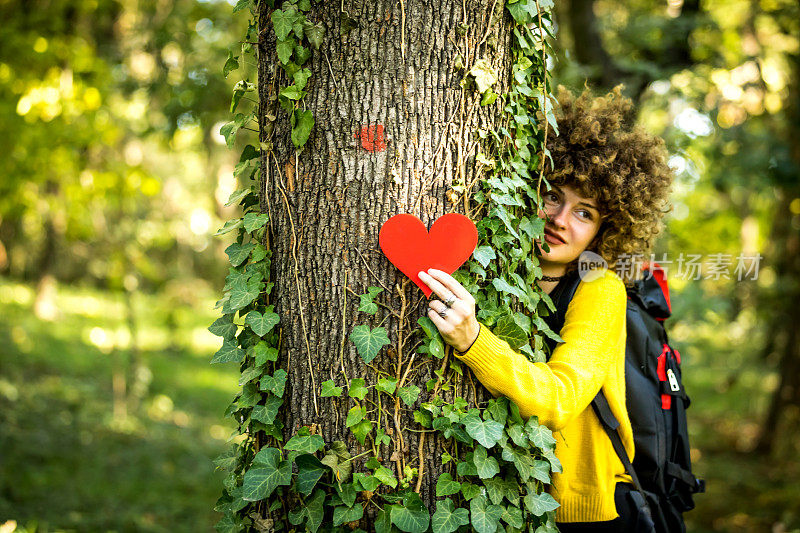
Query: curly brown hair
[[602, 154]]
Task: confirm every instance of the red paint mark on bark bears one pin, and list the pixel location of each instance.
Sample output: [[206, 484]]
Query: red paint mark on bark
[[372, 138]]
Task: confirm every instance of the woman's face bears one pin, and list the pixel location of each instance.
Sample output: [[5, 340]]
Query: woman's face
[[572, 224]]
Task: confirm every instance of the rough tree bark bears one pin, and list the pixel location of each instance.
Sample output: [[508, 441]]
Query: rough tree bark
[[393, 132]]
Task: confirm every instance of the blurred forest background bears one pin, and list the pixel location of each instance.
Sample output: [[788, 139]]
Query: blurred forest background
[[115, 178]]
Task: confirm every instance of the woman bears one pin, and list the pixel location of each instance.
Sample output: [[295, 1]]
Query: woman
[[610, 191]]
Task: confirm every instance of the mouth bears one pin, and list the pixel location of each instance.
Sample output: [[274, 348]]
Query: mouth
[[552, 237]]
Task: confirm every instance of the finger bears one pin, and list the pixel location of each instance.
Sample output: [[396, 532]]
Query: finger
[[438, 306], [440, 290], [450, 282], [441, 324], [455, 314]]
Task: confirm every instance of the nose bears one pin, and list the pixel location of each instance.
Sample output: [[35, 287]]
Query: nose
[[558, 216]]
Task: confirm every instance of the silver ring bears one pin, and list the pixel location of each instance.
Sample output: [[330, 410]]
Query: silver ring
[[443, 313], [450, 300]]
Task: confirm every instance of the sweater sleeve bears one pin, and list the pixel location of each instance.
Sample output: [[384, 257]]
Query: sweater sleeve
[[557, 391]]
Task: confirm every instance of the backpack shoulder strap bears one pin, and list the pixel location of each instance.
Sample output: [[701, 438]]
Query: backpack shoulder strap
[[610, 425]]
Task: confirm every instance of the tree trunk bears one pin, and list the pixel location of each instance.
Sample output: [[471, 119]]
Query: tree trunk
[[392, 134]]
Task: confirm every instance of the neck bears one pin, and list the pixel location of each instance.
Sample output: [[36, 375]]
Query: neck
[[551, 269]]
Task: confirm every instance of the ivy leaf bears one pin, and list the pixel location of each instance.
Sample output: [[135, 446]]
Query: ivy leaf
[[241, 4], [500, 212], [422, 418], [309, 471], [367, 305], [362, 430], [231, 64], [446, 486], [292, 93], [329, 388], [248, 375], [302, 54], [313, 510], [301, 77], [484, 254], [366, 481], [284, 50], [495, 489], [410, 520], [488, 97], [485, 517], [230, 352], [226, 524], [224, 327], [314, 34], [355, 415], [508, 330], [467, 466], [484, 74], [498, 410], [229, 130], [250, 395], [369, 342], [539, 504], [262, 324], [427, 325], [487, 465], [385, 476], [357, 388], [521, 459], [342, 514], [274, 384], [237, 253], [387, 385], [486, 432], [306, 444], [254, 221], [243, 294], [512, 516], [304, 121], [263, 352], [259, 253], [469, 490], [237, 195], [555, 463], [409, 394], [337, 460], [541, 471], [267, 473], [266, 413], [282, 21], [447, 518], [229, 226], [539, 435]]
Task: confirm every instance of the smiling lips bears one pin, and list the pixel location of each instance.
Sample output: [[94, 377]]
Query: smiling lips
[[553, 237]]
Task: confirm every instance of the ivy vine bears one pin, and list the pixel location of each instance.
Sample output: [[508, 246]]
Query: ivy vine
[[497, 463]]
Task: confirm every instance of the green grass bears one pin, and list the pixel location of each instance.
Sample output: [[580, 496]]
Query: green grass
[[66, 463]]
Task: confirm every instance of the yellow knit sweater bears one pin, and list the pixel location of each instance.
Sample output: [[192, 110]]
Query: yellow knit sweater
[[560, 392]]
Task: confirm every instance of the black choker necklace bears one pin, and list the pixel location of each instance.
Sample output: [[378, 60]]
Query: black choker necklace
[[552, 278]]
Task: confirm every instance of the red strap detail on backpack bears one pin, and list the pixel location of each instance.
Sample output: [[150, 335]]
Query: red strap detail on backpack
[[666, 399], [661, 279], [677, 355]]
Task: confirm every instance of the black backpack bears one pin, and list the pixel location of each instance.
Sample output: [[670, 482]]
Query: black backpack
[[656, 400]]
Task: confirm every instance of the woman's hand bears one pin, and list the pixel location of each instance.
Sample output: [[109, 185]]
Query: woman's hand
[[459, 327]]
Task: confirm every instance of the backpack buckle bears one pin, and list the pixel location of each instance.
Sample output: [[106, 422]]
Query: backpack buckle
[[673, 381]]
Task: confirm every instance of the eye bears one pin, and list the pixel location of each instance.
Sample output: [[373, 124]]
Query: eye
[[588, 214]]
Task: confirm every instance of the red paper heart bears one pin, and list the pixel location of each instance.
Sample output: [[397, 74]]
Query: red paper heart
[[411, 247]]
